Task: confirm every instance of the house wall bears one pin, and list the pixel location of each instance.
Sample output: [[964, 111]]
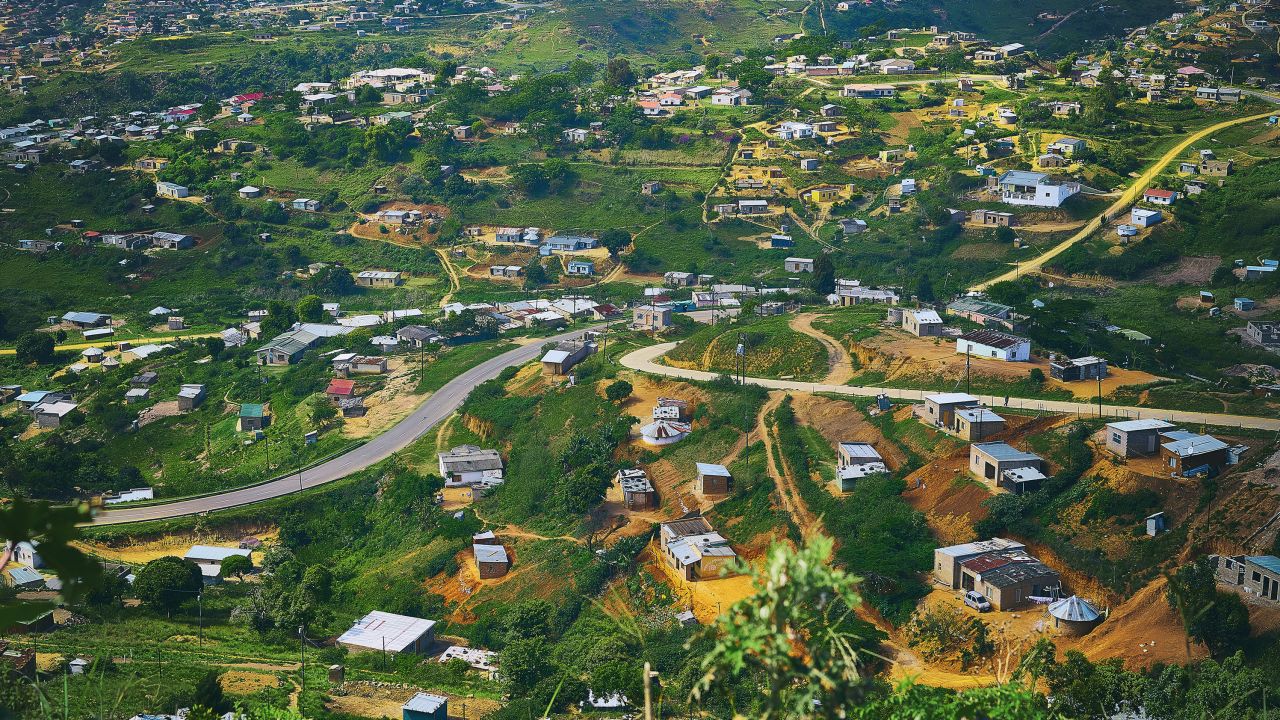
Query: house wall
[[988, 469], [489, 570], [974, 431], [714, 485], [1216, 460], [1130, 444]]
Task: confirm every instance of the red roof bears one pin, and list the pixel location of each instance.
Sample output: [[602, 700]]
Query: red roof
[[248, 97], [1157, 192], [182, 111], [341, 387]]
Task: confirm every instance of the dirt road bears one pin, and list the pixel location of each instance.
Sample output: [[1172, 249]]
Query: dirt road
[[839, 364], [1126, 198]]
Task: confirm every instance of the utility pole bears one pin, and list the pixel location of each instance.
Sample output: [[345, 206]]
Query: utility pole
[[200, 606], [967, 355], [302, 647], [266, 443], [1099, 396]]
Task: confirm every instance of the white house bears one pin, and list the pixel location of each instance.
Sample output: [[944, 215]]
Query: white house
[[794, 131], [994, 344], [468, 465], [171, 190], [1023, 187]]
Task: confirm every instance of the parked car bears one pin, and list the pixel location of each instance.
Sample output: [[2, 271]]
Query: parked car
[[975, 600]]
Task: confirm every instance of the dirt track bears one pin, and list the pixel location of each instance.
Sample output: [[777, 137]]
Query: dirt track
[[839, 365]]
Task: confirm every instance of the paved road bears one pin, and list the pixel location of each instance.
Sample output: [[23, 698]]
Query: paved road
[[643, 360], [434, 409], [1128, 197]]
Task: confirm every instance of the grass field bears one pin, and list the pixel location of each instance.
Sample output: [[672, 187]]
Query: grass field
[[773, 349]]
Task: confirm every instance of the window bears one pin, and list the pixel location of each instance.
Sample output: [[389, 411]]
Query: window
[[1115, 437]]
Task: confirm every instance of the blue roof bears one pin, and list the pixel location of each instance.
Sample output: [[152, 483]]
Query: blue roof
[[84, 317], [25, 576], [1269, 562], [33, 396]]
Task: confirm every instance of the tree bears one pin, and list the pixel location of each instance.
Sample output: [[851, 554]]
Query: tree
[[823, 280], [615, 240], [166, 582], [235, 566], [618, 73], [323, 411], [792, 636], [1216, 618], [1036, 376], [208, 694], [310, 309], [214, 346], [280, 317], [618, 390], [924, 288], [35, 348]]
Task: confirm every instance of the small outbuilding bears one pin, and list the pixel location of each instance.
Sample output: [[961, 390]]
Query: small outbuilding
[[1074, 616]]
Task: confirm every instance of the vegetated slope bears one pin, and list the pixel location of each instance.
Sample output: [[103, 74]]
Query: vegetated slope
[[655, 27], [1051, 26], [773, 349]]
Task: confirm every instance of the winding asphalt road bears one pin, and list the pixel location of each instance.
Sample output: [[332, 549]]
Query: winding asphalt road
[[645, 360], [434, 409]]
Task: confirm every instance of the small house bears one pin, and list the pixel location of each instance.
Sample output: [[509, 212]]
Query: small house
[[51, 414], [468, 465], [798, 265], [389, 633], [694, 549], [940, 408], [1157, 196], [976, 423], [1130, 438], [1244, 304], [305, 205], [1144, 218], [491, 560], [209, 559], [1156, 524], [1081, 368], [340, 389], [581, 267], [713, 479], [997, 463], [1189, 453], [855, 460], [922, 323], [252, 417], [1257, 575], [190, 396], [637, 491], [559, 360], [424, 706], [379, 278], [994, 344]]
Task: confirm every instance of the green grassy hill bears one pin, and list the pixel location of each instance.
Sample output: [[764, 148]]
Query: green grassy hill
[[773, 350]]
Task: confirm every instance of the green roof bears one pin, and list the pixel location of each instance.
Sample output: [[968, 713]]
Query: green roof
[[250, 410]]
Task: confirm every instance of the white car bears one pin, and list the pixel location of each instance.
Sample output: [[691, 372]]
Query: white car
[[975, 600]]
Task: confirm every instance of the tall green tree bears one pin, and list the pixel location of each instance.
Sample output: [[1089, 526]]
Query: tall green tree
[[823, 279], [35, 348], [167, 582]]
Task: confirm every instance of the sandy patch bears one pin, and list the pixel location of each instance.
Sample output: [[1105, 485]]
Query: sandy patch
[[1142, 631], [140, 552], [365, 700], [1187, 271], [244, 682], [388, 406]]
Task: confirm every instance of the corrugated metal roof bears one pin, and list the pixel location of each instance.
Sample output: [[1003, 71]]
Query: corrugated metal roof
[[1074, 609]]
